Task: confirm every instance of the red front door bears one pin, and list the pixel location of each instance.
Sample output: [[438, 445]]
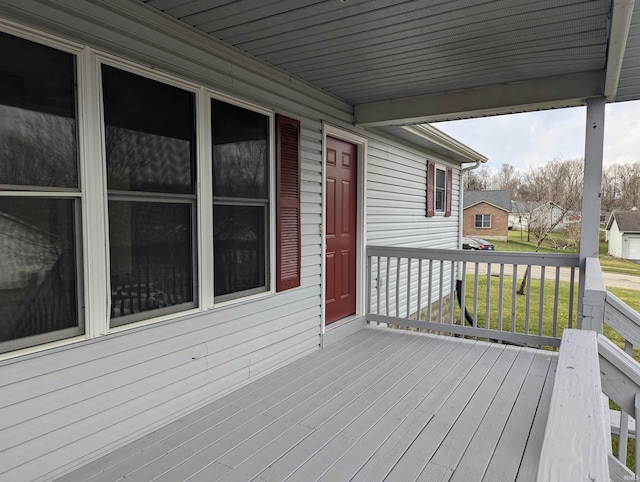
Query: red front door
[[340, 233]]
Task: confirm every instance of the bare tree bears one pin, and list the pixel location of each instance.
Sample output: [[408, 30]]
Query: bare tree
[[38, 149], [507, 179], [559, 186]]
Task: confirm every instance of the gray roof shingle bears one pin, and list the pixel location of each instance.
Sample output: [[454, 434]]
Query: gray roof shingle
[[627, 221], [501, 199]]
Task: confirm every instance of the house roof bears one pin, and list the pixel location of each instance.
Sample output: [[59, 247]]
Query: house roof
[[436, 141], [627, 221], [412, 61], [500, 199], [524, 207]]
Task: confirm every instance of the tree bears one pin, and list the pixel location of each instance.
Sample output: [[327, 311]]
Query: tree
[[558, 185], [38, 149], [507, 179], [477, 179]]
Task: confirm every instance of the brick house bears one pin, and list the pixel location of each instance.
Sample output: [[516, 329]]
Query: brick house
[[486, 214]]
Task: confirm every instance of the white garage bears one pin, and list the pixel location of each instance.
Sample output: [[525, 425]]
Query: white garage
[[623, 233]]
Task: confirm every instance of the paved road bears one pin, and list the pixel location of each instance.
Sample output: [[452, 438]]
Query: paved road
[[618, 280], [610, 279]]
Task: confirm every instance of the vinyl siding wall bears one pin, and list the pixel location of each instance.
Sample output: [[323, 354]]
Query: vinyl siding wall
[[64, 406], [615, 240], [396, 216]]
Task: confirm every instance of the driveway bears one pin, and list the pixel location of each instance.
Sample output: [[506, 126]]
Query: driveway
[[618, 280]]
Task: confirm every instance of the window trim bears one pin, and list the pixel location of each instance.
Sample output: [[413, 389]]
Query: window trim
[[431, 176], [437, 189], [42, 341], [482, 221], [91, 196], [254, 293], [135, 319]]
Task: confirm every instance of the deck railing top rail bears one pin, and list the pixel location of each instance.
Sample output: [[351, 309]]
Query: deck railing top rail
[[563, 260], [574, 446], [482, 294]]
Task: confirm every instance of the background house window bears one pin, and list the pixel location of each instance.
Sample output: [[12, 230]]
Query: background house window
[[150, 161], [440, 190], [240, 139], [39, 195], [483, 221]]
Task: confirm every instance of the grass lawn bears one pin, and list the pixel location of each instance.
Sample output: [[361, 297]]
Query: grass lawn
[[518, 242], [502, 315], [536, 324]]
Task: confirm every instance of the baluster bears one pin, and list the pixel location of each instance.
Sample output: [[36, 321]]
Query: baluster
[[571, 287], [430, 291], [514, 294], [398, 260], [501, 297], [541, 314], [555, 302], [419, 308], [408, 287], [386, 285], [488, 302]]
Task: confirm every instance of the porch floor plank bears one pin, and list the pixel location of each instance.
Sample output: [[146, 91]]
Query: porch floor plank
[[529, 465], [380, 405], [514, 438]]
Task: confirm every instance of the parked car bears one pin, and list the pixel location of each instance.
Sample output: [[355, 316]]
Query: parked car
[[476, 243]]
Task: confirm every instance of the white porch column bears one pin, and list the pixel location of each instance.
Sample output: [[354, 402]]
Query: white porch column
[[590, 231]]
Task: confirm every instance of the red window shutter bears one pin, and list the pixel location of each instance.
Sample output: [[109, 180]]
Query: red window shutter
[[288, 203], [449, 192], [431, 180]]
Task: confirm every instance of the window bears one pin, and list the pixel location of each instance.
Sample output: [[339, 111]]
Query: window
[[39, 195], [439, 190], [150, 163], [483, 221], [241, 190], [144, 163]]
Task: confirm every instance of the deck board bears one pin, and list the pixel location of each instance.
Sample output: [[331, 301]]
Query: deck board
[[379, 405], [453, 447], [513, 440], [529, 465]]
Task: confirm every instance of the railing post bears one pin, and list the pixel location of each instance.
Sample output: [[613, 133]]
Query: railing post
[[593, 298], [590, 228]]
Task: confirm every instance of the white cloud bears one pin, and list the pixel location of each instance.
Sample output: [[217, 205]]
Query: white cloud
[[535, 138]]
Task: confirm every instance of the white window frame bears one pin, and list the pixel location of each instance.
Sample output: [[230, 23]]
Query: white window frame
[[94, 292], [152, 74], [79, 194], [271, 252], [483, 217], [442, 189]]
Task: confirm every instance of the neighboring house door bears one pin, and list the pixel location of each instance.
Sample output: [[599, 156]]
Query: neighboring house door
[[633, 242], [340, 230]]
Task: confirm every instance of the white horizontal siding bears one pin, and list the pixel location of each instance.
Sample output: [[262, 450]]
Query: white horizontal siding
[[396, 216], [396, 199], [65, 406], [92, 395]]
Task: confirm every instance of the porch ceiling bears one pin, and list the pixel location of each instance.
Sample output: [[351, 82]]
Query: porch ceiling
[[403, 62]]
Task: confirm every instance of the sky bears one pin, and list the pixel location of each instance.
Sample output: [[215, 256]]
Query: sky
[[534, 138]]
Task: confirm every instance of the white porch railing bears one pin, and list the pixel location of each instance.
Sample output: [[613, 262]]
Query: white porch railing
[[621, 373], [422, 288], [618, 380], [575, 439]]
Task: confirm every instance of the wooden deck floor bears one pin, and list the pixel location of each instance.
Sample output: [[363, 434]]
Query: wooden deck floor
[[379, 405]]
